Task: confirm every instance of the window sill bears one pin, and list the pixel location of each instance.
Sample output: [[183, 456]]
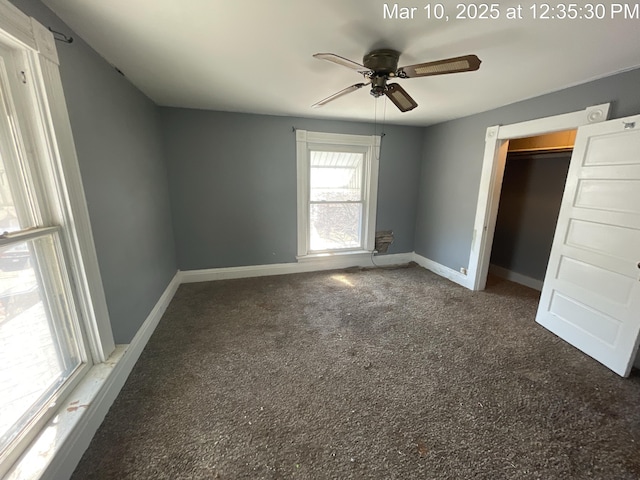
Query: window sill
[[74, 413]]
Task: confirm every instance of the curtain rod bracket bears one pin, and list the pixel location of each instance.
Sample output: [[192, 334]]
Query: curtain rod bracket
[[61, 37]]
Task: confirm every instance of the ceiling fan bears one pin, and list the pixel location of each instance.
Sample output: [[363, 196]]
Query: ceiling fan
[[381, 65]]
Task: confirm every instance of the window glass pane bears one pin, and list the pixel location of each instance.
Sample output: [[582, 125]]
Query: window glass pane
[[38, 342], [336, 176], [8, 215], [14, 206], [9, 221], [335, 226]]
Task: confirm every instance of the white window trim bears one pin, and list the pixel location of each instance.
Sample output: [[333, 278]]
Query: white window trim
[[305, 140], [46, 117], [54, 138]]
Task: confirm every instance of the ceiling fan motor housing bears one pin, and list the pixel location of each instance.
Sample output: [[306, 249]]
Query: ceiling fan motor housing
[[382, 62]]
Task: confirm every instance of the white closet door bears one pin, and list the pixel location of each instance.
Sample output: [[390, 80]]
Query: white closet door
[[591, 292]]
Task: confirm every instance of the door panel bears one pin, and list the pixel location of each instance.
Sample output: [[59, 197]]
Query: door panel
[[595, 280], [591, 292], [614, 241], [592, 322], [609, 195], [599, 152]]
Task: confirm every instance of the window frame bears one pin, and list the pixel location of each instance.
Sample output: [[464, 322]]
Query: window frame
[[369, 145], [45, 108], [47, 143]]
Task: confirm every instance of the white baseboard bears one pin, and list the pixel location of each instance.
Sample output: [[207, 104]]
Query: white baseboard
[[446, 272], [323, 263], [307, 265], [96, 394], [516, 277], [392, 259], [134, 349]]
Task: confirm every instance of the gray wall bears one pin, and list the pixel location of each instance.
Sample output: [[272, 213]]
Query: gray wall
[[232, 178], [452, 161], [233, 184], [529, 205], [117, 136]]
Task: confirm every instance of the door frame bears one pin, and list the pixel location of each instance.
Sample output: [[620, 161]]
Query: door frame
[[495, 155]]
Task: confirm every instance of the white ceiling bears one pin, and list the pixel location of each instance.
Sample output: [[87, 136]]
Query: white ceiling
[[256, 55]]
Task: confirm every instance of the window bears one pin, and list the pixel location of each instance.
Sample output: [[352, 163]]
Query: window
[[53, 322], [337, 191]]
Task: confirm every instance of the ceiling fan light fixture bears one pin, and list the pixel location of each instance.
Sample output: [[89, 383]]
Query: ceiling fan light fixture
[[378, 86]]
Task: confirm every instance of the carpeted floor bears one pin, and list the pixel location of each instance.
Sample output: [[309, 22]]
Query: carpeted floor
[[372, 374]]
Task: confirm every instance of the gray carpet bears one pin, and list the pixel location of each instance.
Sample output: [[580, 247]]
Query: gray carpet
[[375, 374]]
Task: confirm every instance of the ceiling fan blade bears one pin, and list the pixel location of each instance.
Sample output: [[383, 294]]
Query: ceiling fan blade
[[339, 94], [345, 62], [400, 98], [467, 63]]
